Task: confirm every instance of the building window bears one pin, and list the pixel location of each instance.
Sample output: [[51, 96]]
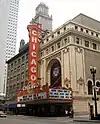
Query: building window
[[91, 33], [23, 58], [41, 54], [22, 66], [76, 27], [47, 39], [22, 84], [68, 39], [26, 74], [94, 46], [86, 43], [7, 89], [10, 88], [77, 40], [18, 69], [27, 56], [47, 51], [15, 63], [14, 77], [12, 65], [14, 87], [98, 85], [64, 28], [18, 86], [82, 29], [52, 36], [14, 70], [18, 61], [96, 35], [65, 40], [87, 31], [22, 75], [8, 67], [26, 64], [58, 45], [90, 92], [42, 42], [58, 32], [52, 48], [18, 77]]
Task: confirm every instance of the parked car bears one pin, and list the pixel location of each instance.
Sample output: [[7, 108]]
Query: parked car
[[2, 114]]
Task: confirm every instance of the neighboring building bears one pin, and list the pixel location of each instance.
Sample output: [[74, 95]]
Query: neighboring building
[[3, 30], [12, 29], [42, 17], [17, 71], [65, 57], [8, 37]]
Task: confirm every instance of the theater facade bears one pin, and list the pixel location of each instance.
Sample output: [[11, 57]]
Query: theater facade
[[65, 57]]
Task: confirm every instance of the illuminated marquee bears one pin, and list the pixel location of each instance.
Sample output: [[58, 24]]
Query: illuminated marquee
[[33, 53], [54, 94]]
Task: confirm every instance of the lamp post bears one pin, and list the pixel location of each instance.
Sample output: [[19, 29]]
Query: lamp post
[[93, 72]]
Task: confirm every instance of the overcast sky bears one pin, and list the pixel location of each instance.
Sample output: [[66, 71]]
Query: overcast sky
[[61, 10]]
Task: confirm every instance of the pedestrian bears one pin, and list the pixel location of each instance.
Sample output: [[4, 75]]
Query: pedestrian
[[71, 113]]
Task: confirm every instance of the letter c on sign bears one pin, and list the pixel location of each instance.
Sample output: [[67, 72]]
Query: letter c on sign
[[33, 54]]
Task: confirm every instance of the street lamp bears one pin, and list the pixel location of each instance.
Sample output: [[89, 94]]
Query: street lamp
[[93, 72]]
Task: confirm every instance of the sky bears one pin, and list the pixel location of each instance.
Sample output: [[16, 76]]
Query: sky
[[61, 10]]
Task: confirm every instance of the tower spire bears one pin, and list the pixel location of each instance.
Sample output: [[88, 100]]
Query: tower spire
[[42, 17]]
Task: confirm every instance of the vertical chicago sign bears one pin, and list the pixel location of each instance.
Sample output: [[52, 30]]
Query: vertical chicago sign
[[33, 53]]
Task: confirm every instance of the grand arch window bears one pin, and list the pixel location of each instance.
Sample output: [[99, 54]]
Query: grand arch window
[[98, 85], [56, 74], [90, 91]]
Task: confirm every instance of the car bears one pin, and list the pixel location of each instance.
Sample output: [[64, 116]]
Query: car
[[2, 114]]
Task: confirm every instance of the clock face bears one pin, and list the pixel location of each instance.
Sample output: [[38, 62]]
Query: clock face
[[55, 71]]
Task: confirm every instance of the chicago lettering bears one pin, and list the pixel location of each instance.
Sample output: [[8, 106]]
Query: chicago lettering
[[33, 56]]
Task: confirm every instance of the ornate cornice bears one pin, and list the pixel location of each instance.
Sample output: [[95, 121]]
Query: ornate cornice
[[56, 39], [66, 50], [78, 49]]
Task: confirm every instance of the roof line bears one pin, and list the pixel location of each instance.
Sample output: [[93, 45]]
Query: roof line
[[86, 16]]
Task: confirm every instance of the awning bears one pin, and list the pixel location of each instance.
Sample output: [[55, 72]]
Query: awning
[[12, 105]]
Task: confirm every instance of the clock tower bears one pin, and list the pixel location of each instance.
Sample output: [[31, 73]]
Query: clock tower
[[42, 17]]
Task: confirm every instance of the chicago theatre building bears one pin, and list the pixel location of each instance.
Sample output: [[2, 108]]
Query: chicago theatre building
[[65, 57]]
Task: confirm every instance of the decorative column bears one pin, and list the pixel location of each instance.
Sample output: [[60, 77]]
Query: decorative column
[[79, 69], [73, 67], [48, 76], [84, 74], [44, 72], [67, 81], [62, 68]]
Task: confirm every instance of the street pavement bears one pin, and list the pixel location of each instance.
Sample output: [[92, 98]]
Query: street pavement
[[39, 120]]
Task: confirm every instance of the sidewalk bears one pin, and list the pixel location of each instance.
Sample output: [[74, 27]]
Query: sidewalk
[[77, 118], [84, 118]]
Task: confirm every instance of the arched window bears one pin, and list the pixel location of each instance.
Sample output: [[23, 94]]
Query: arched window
[[56, 74], [90, 91], [98, 85]]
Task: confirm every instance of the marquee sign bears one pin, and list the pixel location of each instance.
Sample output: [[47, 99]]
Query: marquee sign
[[55, 94], [33, 53], [34, 96]]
